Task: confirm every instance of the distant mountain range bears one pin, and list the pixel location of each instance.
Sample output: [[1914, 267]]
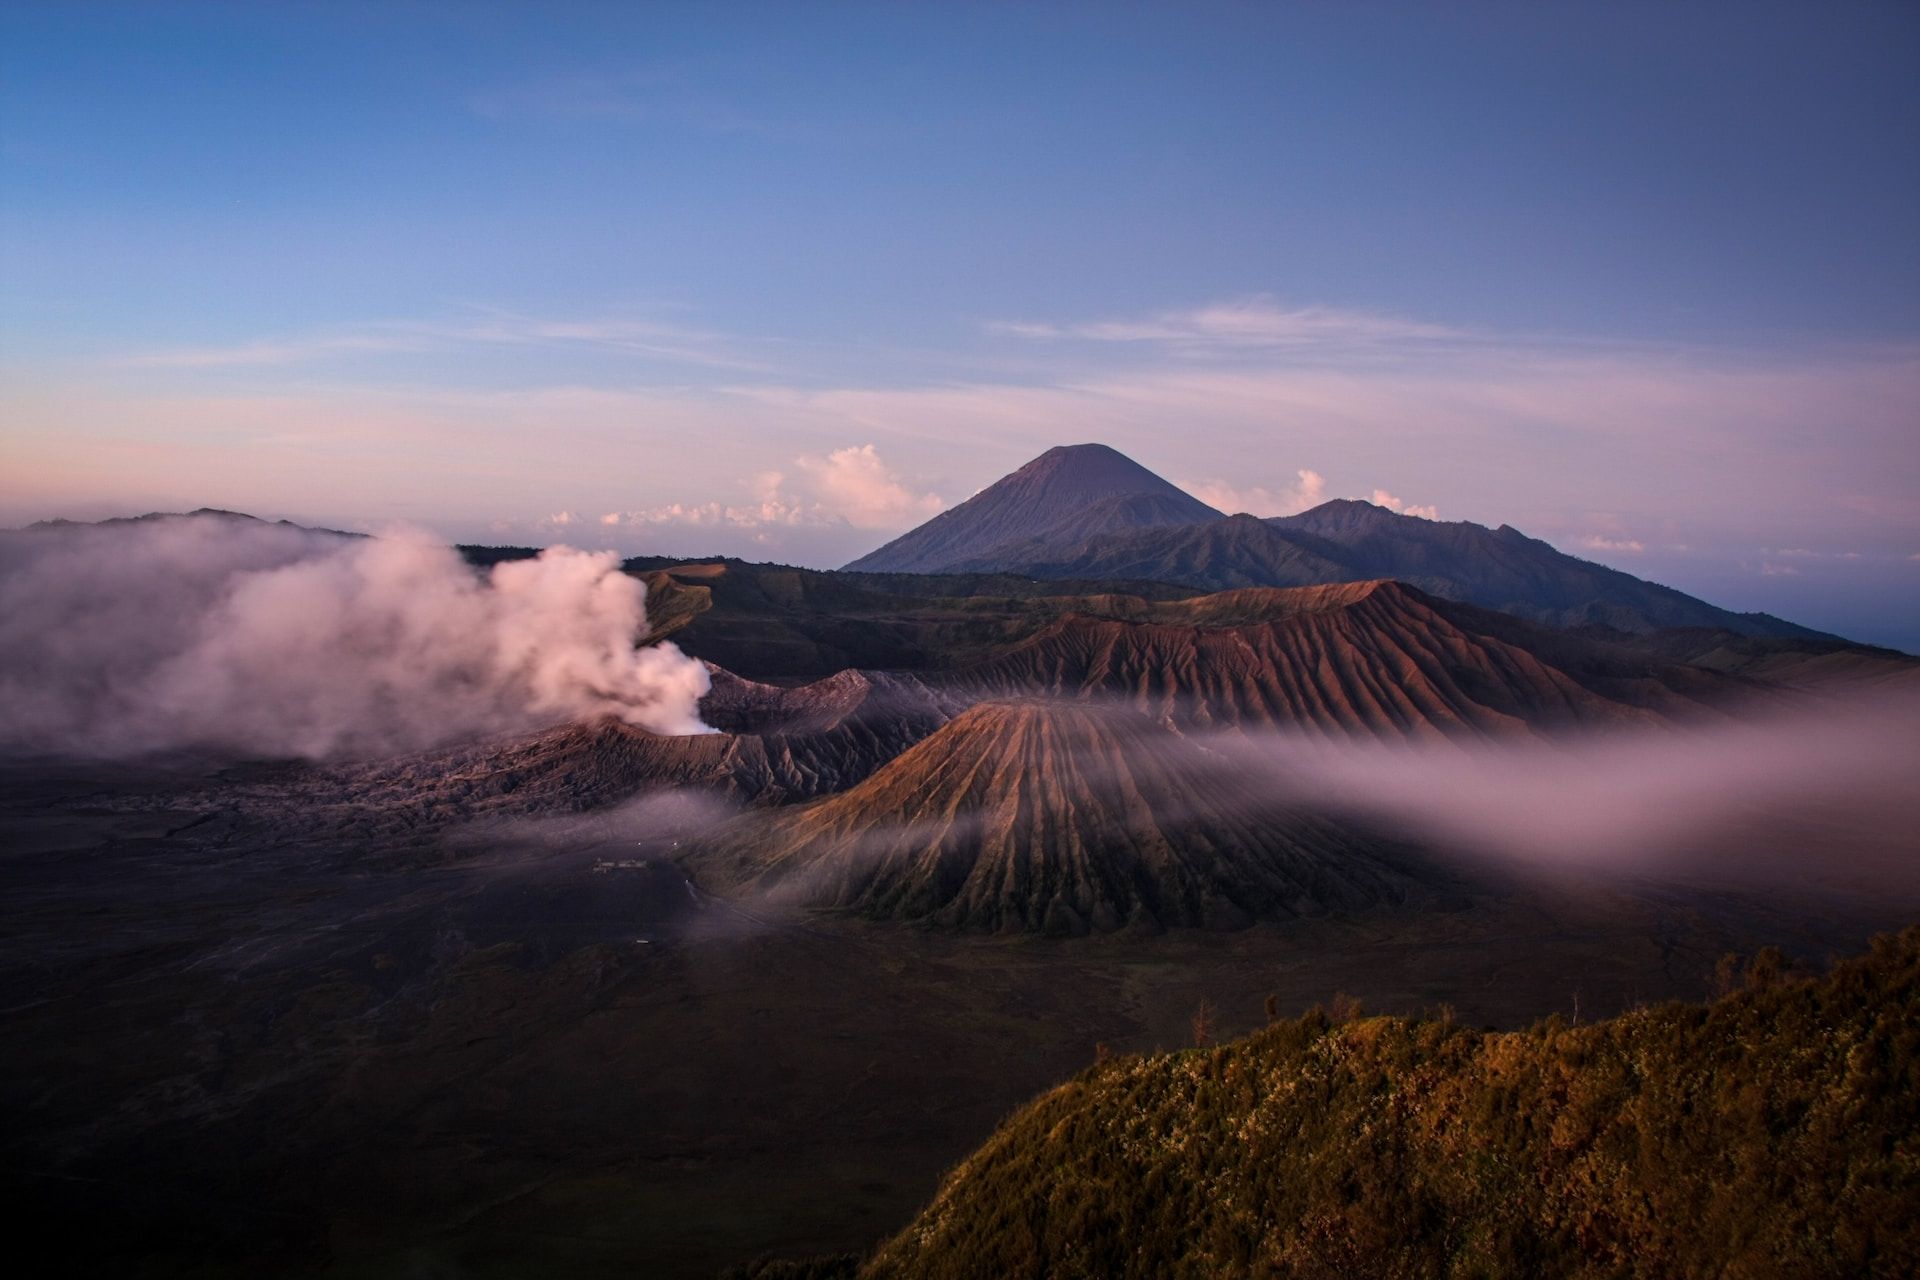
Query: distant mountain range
[[1087, 512]]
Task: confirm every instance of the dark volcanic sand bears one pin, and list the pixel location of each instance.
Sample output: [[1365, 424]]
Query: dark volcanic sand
[[238, 1042]]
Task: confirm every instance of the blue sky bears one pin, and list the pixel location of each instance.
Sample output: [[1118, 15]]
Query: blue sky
[[781, 280]]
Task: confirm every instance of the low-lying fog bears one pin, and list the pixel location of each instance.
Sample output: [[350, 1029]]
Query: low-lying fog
[[1827, 795]]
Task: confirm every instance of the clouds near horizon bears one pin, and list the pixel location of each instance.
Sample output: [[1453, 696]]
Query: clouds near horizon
[[1609, 447]]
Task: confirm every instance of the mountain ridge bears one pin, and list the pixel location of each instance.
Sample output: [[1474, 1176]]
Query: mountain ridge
[[1339, 540]]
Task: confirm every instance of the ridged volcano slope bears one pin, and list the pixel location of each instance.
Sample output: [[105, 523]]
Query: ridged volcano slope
[[777, 746], [1060, 818], [1376, 658]]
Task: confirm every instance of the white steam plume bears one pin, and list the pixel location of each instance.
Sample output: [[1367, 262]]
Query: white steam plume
[[228, 634]]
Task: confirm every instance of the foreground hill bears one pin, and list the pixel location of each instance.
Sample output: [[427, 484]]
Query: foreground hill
[[1775, 1132], [1029, 816], [1020, 525], [1068, 494]]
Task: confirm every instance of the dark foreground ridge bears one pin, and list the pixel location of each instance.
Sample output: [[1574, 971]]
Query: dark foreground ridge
[[1772, 1132]]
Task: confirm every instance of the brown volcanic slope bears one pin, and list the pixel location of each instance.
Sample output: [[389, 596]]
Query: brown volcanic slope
[[775, 746], [1378, 658], [1061, 818]]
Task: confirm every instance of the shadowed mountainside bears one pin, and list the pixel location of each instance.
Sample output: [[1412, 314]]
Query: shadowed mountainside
[[1069, 493], [1030, 816], [776, 622], [1504, 569], [1798, 662], [1345, 541]]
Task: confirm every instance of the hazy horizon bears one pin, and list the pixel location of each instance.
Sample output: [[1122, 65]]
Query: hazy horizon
[[782, 284]]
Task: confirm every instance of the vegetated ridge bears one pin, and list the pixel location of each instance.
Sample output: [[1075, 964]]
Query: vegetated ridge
[[1772, 1132]]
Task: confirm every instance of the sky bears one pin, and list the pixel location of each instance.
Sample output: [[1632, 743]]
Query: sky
[[782, 281]]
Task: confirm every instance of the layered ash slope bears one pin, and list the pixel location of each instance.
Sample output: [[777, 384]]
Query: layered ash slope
[[1067, 494], [1033, 816], [776, 746], [1376, 658], [1038, 521]]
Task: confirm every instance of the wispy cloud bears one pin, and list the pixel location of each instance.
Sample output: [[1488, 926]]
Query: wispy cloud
[[851, 487], [856, 485], [1381, 498], [1601, 542], [1308, 490], [1250, 324], [299, 350], [649, 338]]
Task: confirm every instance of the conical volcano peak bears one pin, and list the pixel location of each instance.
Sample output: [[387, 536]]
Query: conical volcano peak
[[1071, 491], [1093, 464]]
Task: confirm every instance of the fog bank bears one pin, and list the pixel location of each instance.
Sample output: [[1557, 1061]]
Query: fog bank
[[1827, 795]]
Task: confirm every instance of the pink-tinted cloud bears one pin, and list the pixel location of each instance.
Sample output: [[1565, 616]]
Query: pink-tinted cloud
[[851, 487], [1241, 325], [1308, 490], [855, 485], [1381, 498]]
